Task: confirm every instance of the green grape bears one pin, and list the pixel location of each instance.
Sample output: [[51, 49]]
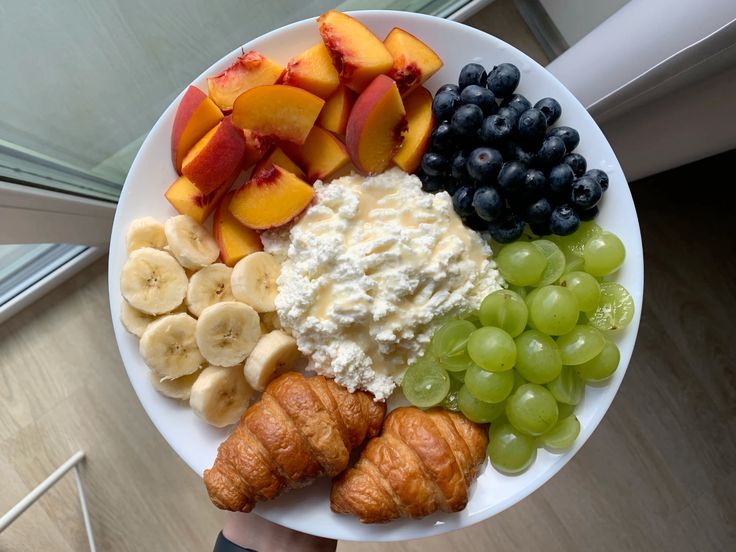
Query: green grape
[[506, 310], [567, 387], [510, 450], [492, 349], [473, 318], [565, 410], [521, 264], [574, 244], [425, 383], [555, 261], [603, 254], [554, 310], [475, 410], [458, 377], [492, 387], [449, 345], [615, 310], [521, 291], [562, 436], [537, 357], [580, 345], [573, 264], [585, 287], [518, 380], [602, 366], [532, 409]]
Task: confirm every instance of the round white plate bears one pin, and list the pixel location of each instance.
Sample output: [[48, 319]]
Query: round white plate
[[308, 509]]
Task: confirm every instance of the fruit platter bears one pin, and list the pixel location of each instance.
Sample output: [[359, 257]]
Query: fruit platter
[[375, 276]]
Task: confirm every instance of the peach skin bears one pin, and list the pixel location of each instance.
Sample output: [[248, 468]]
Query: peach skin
[[256, 147], [195, 116], [414, 61], [376, 126], [278, 157], [249, 70], [187, 199], [357, 54], [418, 107], [313, 71], [335, 113], [235, 240], [321, 154]]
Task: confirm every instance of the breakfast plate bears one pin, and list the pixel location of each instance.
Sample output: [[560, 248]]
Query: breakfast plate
[[308, 509]]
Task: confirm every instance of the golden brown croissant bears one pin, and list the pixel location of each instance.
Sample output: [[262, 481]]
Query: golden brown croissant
[[302, 428], [422, 462]]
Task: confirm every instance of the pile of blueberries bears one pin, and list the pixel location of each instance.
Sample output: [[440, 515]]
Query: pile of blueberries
[[503, 162]]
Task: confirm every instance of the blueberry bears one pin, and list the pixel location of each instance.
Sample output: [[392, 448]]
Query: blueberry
[[511, 177], [560, 179], [503, 79], [458, 168], [451, 185], [577, 163], [534, 185], [488, 203], [474, 222], [510, 114], [432, 184], [484, 163], [472, 73], [466, 120], [551, 109], [540, 228], [508, 229], [600, 176], [495, 130], [563, 221], [517, 102], [444, 105], [462, 201], [587, 214], [514, 151], [569, 135], [482, 97], [442, 139], [449, 88], [531, 127], [551, 153], [585, 193], [435, 164], [538, 212]]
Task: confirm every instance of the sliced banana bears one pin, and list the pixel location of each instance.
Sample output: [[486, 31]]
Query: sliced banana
[[145, 232], [190, 242], [169, 348], [209, 286], [271, 320], [134, 320], [275, 352], [220, 395], [227, 332], [152, 281], [178, 388], [254, 281]]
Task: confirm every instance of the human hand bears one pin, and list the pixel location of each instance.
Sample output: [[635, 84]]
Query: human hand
[[252, 531]]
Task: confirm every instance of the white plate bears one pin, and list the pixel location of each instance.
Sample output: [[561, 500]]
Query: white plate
[[308, 509]]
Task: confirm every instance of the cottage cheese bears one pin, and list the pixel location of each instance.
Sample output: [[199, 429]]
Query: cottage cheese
[[370, 271]]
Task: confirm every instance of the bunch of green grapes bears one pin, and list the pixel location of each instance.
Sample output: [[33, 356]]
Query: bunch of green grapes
[[522, 361]]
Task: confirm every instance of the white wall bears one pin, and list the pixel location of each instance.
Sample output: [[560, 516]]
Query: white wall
[[576, 18]]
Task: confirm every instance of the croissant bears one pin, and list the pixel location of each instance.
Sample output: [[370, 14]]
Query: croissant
[[422, 462], [301, 428]]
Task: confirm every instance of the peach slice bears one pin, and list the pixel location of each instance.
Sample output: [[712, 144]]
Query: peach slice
[[213, 160], [256, 147], [335, 113], [271, 198], [187, 199], [195, 116], [249, 70], [357, 54], [321, 154], [414, 61], [313, 71], [278, 157], [418, 107], [376, 126], [235, 240], [278, 111]]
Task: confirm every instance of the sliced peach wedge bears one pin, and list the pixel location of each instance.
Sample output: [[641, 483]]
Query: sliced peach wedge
[[235, 240], [418, 107], [249, 70], [195, 116], [414, 61], [376, 126], [277, 111], [278, 157], [271, 198], [256, 146], [313, 71], [335, 113], [187, 199], [357, 54], [321, 154]]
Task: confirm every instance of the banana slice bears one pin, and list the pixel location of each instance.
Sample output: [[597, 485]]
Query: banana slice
[[220, 395], [145, 232], [190, 242], [254, 281], [152, 281], [209, 286], [134, 320], [274, 353], [271, 320], [227, 332], [179, 388], [169, 348]]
